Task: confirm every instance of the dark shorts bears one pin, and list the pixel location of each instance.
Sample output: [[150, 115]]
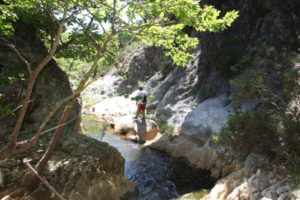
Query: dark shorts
[[141, 107]]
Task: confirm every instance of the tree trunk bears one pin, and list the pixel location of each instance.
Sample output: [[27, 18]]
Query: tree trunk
[[23, 146], [32, 80], [68, 109], [57, 135]]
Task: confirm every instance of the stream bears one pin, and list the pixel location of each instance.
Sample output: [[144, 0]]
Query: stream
[[157, 175]]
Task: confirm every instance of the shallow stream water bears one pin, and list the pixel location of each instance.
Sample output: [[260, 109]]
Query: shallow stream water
[[157, 175]]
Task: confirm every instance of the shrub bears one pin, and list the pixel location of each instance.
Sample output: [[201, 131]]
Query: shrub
[[266, 74], [254, 131], [163, 125], [151, 98]]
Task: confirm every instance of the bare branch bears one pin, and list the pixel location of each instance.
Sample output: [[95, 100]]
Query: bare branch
[[114, 17], [25, 145], [54, 110], [10, 45], [64, 45], [44, 181], [61, 125], [32, 80], [103, 29]]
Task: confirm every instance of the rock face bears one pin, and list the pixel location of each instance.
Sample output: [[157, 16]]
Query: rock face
[[52, 84], [88, 173], [201, 95], [82, 168], [258, 184], [198, 99], [141, 65]]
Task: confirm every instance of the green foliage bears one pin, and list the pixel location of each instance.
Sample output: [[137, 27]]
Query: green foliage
[[74, 68], [11, 74], [6, 109], [169, 34], [164, 128], [266, 75], [251, 131], [9, 80], [90, 23], [151, 98], [176, 43], [6, 19], [38, 17], [275, 133], [34, 12], [123, 74]]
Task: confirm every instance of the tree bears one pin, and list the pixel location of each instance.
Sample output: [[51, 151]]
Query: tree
[[95, 28], [14, 147]]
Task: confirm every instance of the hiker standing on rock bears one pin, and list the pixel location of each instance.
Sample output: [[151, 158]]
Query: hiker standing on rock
[[141, 97]]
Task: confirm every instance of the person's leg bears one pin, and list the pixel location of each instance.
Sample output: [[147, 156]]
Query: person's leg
[[136, 114], [143, 111], [137, 111]]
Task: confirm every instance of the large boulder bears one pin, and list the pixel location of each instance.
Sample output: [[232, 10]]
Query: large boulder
[[52, 84], [146, 129], [81, 168], [192, 150]]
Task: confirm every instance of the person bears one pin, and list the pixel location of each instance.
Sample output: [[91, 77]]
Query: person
[[141, 97]]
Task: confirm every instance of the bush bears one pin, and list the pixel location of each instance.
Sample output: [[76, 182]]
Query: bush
[[267, 75], [163, 125], [254, 131]]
